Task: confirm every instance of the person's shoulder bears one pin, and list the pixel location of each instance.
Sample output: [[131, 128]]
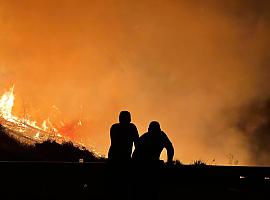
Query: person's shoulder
[[165, 138], [115, 125], [133, 125], [164, 135], [145, 135]]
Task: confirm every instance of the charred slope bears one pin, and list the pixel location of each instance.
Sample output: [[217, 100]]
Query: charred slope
[[12, 149]]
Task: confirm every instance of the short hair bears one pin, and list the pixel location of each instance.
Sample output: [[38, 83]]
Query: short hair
[[124, 117], [154, 126]]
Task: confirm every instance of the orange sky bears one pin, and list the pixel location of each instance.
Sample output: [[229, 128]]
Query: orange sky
[[182, 63]]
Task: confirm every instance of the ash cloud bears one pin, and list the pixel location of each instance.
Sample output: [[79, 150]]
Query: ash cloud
[[192, 65], [253, 122]]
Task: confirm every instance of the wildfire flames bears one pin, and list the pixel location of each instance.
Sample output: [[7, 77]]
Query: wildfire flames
[[27, 130]]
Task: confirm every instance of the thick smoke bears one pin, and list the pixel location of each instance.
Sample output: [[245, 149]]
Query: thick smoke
[[195, 66], [253, 121]]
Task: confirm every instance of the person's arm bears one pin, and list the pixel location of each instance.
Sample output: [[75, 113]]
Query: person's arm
[[136, 136], [169, 147], [111, 133], [112, 139], [170, 152]]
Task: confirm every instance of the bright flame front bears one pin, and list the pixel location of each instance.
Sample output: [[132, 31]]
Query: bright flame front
[[30, 131], [6, 104]]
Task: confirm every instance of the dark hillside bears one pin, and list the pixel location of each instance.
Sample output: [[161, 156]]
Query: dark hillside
[[50, 170], [62, 180], [12, 149]]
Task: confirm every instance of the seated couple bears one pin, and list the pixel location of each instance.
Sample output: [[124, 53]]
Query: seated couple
[[148, 147]]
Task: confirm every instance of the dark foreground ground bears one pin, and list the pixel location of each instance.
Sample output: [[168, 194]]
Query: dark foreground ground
[[52, 180]]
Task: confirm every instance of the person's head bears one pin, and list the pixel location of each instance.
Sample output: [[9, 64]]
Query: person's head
[[124, 117], [154, 127]]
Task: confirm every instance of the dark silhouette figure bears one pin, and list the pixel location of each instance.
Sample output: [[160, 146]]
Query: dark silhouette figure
[[146, 157], [123, 135], [151, 144]]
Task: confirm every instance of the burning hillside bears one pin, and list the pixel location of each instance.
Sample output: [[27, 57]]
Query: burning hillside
[[39, 142], [26, 129]]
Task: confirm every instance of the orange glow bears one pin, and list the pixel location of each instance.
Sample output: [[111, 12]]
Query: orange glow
[[187, 64], [70, 128], [29, 127]]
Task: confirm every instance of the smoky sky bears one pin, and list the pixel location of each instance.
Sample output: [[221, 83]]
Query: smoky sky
[[253, 121], [195, 66]]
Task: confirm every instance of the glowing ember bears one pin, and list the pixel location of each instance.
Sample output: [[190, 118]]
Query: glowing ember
[[37, 135]]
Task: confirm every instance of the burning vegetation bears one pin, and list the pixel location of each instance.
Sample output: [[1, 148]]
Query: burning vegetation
[[24, 139]]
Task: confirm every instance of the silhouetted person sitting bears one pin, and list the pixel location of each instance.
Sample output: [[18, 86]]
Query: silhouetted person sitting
[[123, 135], [151, 144], [148, 176]]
